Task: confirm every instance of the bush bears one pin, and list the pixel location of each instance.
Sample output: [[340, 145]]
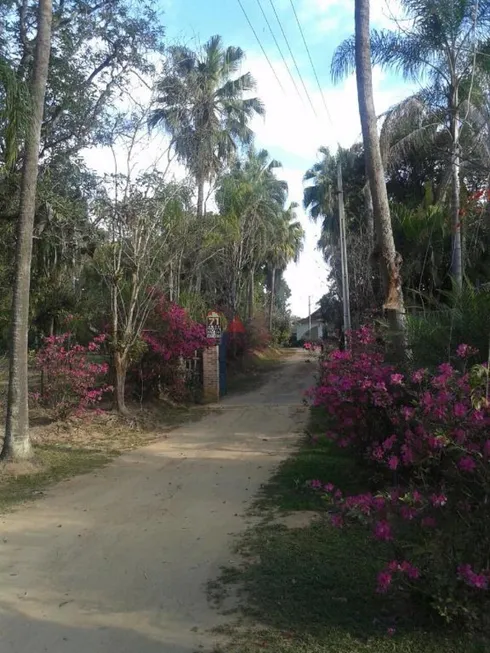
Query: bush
[[72, 379], [435, 335], [171, 338], [425, 437]]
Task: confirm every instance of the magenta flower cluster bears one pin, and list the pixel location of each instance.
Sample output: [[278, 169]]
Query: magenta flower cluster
[[72, 378], [426, 437]]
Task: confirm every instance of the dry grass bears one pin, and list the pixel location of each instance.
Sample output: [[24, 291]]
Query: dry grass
[[78, 446]]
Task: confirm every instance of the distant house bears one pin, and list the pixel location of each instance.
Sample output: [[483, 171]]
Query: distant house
[[317, 327]]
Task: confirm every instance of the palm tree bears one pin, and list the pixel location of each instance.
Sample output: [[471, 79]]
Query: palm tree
[[447, 46], [16, 443], [320, 194], [14, 113], [286, 247], [393, 304], [202, 106], [251, 198]]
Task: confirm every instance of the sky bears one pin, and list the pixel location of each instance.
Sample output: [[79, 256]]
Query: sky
[[292, 131]]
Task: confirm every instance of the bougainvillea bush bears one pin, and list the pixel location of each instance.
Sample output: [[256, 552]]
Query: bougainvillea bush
[[426, 438], [73, 381], [171, 338]]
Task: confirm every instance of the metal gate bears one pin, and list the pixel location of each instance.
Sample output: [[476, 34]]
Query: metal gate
[[222, 363]]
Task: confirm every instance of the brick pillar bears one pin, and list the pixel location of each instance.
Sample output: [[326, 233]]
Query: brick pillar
[[211, 374]]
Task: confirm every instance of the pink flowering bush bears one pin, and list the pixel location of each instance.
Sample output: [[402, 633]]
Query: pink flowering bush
[[73, 381], [426, 438], [171, 337]]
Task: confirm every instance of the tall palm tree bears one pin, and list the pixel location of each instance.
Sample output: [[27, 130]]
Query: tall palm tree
[[202, 105], [446, 45], [14, 113], [17, 443], [251, 198], [394, 304], [287, 245], [320, 194]]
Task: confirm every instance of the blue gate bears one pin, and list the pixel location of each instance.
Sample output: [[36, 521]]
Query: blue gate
[[222, 363]]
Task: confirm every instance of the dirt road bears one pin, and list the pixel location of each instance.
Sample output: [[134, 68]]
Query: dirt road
[[118, 562]]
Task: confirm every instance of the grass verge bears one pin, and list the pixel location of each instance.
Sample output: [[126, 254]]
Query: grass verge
[[310, 589], [21, 482]]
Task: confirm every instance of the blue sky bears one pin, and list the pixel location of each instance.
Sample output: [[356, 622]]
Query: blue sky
[[290, 131]]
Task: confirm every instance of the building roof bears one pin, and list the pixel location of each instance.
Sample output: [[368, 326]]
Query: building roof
[[316, 316]]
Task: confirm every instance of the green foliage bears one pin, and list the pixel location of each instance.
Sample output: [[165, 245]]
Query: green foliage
[[204, 139], [436, 332]]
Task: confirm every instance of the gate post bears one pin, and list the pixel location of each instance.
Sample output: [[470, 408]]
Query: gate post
[[210, 374]]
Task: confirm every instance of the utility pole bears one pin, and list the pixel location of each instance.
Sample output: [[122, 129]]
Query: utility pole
[[343, 255], [309, 315]]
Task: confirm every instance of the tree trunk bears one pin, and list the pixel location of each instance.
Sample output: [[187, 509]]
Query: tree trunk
[[121, 369], [273, 292], [16, 444], [251, 294], [171, 282], [200, 197], [368, 200], [390, 259], [456, 249]]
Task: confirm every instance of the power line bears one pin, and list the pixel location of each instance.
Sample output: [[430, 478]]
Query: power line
[[279, 49], [311, 62], [261, 46], [292, 56]]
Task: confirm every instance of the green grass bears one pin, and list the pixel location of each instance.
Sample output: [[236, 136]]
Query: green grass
[[311, 589], [315, 459], [22, 482]]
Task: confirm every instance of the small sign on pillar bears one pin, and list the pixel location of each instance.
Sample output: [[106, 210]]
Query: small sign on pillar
[[213, 326], [211, 358]]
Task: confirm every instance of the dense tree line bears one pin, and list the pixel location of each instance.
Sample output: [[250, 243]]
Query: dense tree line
[[105, 248], [434, 164]]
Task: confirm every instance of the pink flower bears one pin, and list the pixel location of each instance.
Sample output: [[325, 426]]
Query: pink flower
[[412, 572], [408, 513], [418, 376], [396, 379], [467, 464], [337, 521], [462, 351], [329, 487], [459, 410], [390, 632], [389, 443], [393, 462], [478, 581], [384, 581], [438, 500], [382, 531], [316, 485], [416, 496]]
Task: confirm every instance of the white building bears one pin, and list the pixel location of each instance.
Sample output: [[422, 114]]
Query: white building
[[317, 328]]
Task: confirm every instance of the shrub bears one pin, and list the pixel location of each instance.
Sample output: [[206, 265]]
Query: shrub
[[425, 437], [171, 338], [435, 335], [73, 380]]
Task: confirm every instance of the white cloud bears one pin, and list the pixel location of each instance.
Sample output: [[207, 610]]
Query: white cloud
[[290, 132], [325, 16], [291, 127]]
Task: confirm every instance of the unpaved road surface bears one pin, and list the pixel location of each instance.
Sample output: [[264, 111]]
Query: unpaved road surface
[[118, 562]]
